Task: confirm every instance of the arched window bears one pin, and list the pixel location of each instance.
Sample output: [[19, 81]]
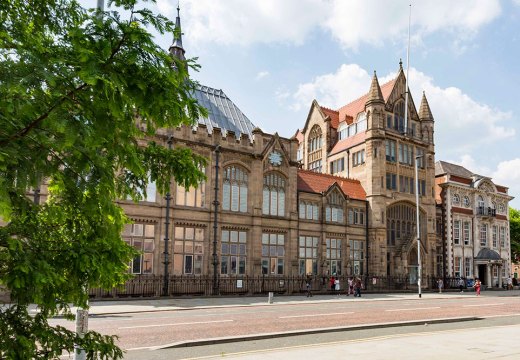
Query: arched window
[[456, 200], [274, 195], [401, 223], [315, 139], [234, 190], [466, 202], [399, 116], [334, 209]]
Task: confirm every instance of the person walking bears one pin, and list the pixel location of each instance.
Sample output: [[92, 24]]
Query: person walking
[[308, 286], [477, 286], [350, 286], [332, 283], [509, 283], [336, 286], [461, 284], [440, 285], [357, 287]]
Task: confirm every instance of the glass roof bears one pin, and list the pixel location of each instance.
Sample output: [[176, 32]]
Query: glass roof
[[222, 113]]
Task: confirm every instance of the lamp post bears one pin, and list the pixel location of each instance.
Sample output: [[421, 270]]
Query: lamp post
[[418, 225], [167, 232]]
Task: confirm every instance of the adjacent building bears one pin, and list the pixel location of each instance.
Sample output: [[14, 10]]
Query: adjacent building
[[473, 218]]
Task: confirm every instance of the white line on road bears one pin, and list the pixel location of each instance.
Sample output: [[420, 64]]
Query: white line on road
[[412, 309], [483, 305], [175, 324], [311, 315]]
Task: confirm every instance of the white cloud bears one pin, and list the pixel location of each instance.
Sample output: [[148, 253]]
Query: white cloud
[[516, 2], [350, 22], [333, 90], [508, 172], [459, 119], [261, 75]]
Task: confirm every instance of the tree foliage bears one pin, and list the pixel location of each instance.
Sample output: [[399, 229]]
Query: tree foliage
[[514, 230], [82, 94]]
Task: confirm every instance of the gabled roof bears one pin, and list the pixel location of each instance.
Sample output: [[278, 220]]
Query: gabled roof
[[314, 182], [348, 143], [298, 136], [443, 167], [222, 112], [357, 106], [333, 114]]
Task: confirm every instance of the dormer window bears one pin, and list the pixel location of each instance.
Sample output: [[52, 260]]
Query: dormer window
[[334, 208]]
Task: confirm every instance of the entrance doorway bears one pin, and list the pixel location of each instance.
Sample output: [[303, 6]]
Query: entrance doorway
[[482, 275]]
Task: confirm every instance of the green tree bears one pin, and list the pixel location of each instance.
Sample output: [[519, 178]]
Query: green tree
[[82, 93], [514, 229]]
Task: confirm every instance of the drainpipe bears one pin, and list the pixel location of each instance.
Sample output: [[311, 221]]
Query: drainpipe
[[215, 225], [167, 232], [366, 242]]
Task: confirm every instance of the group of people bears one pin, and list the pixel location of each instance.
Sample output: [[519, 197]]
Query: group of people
[[460, 283], [354, 286]]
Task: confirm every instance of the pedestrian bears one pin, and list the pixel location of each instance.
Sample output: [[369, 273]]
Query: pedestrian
[[440, 285], [357, 287], [350, 286], [477, 286], [509, 283], [461, 284], [336, 286], [332, 283], [308, 286]]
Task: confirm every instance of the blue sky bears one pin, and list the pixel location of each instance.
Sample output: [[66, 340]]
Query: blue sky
[[273, 57]]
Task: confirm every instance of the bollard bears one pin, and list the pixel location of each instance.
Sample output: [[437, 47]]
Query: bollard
[[270, 298]]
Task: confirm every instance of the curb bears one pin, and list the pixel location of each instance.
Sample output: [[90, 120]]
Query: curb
[[230, 339]]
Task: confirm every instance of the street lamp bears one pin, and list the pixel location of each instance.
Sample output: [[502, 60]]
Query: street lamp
[[418, 225]]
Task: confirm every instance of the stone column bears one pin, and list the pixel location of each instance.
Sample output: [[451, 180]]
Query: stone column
[[499, 276], [489, 268]]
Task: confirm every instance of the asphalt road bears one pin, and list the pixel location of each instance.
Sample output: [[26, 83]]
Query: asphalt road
[[488, 338], [142, 331]]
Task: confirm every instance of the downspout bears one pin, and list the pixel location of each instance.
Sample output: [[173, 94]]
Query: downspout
[[366, 242]]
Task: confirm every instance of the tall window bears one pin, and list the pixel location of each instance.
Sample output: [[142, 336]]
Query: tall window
[[337, 166], [467, 233], [399, 116], [356, 257], [456, 232], [192, 196], [308, 255], [483, 234], [334, 208], [390, 150], [358, 158], [141, 237], [467, 267], [233, 252], [274, 195], [188, 250], [391, 181], [356, 216], [234, 194], [273, 254], [406, 154], [299, 153], [480, 204], [342, 131], [458, 264], [315, 166], [420, 161], [334, 255], [401, 222], [308, 210], [315, 139], [494, 236], [502, 237]]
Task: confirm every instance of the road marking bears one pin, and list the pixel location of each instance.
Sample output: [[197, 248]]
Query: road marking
[[412, 309], [175, 324], [482, 305], [311, 315]]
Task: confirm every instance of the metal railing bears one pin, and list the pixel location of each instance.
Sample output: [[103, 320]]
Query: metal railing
[[151, 286]]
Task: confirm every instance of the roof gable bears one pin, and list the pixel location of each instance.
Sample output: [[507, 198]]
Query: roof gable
[[314, 182]]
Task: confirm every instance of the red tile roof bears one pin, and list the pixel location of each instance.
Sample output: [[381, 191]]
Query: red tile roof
[[357, 106], [299, 136], [333, 114], [348, 143], [317, 183]]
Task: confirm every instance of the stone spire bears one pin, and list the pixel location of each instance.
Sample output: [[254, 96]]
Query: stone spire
[[176, 48], [425, 114], [374, 94]]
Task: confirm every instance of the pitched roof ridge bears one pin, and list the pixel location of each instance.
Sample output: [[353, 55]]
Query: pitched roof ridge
[[366, 94], [329, 176], [327, 108]]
